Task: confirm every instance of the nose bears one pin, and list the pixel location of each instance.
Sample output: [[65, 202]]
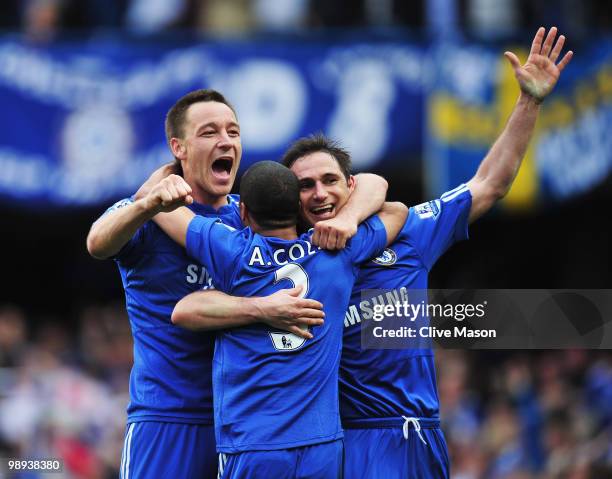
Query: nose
[[320, 193], [225, 141]]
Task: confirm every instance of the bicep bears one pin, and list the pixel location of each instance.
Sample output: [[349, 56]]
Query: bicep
[[483, 198], [393, 216]]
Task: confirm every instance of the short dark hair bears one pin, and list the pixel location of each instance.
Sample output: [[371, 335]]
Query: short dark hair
[[315, 143], [271, 194], [175, 118]]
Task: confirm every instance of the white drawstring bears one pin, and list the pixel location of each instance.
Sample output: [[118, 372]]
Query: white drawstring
[[417, 427]]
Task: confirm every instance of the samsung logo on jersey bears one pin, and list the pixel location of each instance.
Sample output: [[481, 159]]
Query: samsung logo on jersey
[[197, 274], [365, 309], [387, 258], [282, 256]]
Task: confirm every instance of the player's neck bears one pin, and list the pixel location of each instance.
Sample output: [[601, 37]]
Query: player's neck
[[205, 198], [288, 233]]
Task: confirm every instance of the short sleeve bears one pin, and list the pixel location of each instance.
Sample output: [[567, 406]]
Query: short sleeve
[[369, 241], [434, 226], [216, 246], [130, 246]]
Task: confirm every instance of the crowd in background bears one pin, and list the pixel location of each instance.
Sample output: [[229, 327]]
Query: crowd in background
[[506, 414], [43, 19], [63, 392]]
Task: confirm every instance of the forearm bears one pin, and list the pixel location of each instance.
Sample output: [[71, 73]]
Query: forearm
[[113, 230], [284, 310], [366, 199], [175, 224], [212, 310], [499, 168]]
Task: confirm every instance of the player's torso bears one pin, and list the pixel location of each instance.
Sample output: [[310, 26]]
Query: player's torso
[[172, 374], [382, 383], [276, 389]]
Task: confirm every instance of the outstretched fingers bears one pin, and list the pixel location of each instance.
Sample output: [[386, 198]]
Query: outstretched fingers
[[513, 59], [565, 60], [536, 45], [557, 49], [548, 43]]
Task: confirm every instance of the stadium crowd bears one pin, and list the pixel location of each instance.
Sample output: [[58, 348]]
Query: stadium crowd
[[42, 19], [506, 414]]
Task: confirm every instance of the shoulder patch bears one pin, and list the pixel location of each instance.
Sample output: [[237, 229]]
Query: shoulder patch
[[431, 209], [387, 258], [120, 204]]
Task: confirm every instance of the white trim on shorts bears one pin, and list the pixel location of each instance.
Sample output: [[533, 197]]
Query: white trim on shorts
[[125, 456]]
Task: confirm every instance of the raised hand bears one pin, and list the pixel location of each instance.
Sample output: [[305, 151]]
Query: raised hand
[[158, 175], [169, 194], [539, 75]]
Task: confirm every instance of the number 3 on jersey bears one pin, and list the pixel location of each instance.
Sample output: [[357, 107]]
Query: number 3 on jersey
[[284, 341]]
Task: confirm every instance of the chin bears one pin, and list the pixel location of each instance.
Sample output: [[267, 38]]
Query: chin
[[221, 190]]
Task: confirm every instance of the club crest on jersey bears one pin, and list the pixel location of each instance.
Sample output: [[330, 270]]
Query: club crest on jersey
[[286, 341], [428, 210], [387, 258]]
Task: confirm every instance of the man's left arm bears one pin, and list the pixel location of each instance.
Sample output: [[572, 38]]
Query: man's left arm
[[536, 78], [366, 199]]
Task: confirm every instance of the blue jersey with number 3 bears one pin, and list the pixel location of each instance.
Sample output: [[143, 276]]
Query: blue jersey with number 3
[[377, 383], [275, 390]]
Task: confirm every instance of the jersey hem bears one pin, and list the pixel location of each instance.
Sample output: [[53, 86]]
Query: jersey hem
[[182, 420], [284, 445], [389, 423]]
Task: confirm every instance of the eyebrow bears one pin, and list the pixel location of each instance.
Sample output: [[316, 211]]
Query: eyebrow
[[232, 124], [324, 176]]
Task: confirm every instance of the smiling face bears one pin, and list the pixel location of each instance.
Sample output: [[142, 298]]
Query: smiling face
[[209, 151], [323, 187]]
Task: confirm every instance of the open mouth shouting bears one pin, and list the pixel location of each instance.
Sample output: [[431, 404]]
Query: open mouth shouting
[[222, 168]]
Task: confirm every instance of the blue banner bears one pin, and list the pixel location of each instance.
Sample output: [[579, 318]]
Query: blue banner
[[470, 96], [82, 123]]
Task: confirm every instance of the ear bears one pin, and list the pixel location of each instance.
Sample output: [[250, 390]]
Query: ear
[[244, 214], [351, 183], [178, 149]]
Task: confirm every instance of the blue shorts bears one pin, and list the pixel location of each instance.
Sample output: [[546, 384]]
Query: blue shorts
[[319, 461], [394, 449], [160, 450]]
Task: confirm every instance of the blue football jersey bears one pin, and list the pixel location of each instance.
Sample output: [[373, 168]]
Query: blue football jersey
[[394, 383], [274, 390], [171, 379]]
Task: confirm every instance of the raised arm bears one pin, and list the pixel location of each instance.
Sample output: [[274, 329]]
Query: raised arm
[[168, 198], [285, 310], [366, 199], [536, 78], [393, 215], [114, 229]]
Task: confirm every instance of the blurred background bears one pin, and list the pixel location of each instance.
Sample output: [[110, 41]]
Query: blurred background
[[416, 90]]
